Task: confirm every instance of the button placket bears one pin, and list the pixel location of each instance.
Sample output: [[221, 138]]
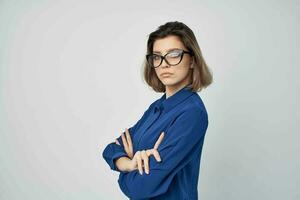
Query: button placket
[[149, 123]]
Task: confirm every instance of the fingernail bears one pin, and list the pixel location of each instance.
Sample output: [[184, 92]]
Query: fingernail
[[147, 172]]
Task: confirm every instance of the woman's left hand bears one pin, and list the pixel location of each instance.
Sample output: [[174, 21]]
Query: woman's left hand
[[127, 142], [140, 159]]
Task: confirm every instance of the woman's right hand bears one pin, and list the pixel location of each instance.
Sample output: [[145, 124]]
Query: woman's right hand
[[141, 158]]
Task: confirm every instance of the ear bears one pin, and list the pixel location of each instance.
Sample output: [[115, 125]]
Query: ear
[[192, 63]]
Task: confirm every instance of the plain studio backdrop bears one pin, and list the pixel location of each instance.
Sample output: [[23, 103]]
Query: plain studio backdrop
[[71, 82]]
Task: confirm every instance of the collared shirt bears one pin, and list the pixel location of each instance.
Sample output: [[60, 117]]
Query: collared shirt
[[184, 120]]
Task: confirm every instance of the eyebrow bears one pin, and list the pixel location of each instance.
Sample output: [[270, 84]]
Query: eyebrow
[[177, 48]]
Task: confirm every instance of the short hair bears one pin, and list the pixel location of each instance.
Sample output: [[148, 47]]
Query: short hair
[[202, 76]]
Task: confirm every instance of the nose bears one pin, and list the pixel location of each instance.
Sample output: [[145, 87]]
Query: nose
[[164, 64]]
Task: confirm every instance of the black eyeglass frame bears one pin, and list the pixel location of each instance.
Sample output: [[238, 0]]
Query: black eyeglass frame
[[163, 57]]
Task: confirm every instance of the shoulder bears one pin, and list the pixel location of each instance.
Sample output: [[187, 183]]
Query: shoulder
[[192, 117], [194, 107]]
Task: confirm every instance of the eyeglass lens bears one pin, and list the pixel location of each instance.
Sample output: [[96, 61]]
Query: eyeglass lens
[[172, 58]]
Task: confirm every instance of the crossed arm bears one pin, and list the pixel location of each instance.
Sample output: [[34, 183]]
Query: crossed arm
[[183, 139], [140, 159]]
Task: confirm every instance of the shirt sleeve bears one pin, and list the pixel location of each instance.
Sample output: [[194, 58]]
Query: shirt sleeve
[[183, 137], [114, 151]]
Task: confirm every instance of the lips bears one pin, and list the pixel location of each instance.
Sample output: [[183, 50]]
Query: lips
[[166, 74]]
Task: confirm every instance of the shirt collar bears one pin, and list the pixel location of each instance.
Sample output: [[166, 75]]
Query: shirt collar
[[172, 101]]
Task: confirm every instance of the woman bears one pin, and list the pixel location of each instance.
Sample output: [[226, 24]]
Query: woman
[[167, 141]]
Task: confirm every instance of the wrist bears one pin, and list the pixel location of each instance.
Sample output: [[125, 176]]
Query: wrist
[[124, 164]]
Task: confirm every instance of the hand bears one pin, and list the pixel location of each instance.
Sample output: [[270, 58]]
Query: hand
[[117, 142], [127, 142], [141, 158]]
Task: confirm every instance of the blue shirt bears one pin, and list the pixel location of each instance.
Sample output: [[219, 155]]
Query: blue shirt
[[184, 120]]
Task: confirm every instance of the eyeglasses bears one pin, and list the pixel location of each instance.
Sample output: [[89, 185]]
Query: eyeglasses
[[173, 57]]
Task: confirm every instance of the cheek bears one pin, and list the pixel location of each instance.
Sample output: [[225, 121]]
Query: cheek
[[157, 71], [182, 70]]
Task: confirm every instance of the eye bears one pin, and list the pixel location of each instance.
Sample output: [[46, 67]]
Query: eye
[[156, 57], [174, 54]]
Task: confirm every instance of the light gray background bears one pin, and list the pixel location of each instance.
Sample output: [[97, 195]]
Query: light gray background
[[71, 81]]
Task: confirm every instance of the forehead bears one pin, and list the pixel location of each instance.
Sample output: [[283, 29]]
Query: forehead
[[167, 43]]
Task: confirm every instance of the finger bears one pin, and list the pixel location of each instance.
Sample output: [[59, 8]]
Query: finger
[[125, 145], [156, 155], [134, 162], [149, 152], [139, 162], [117, 142], [157, 143], [128, 139], [146, 161], [124, 140]]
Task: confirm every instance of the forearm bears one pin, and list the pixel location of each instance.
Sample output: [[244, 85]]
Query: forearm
[[123, 164]]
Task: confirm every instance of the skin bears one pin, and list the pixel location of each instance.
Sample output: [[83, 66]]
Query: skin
[[141, 158], [180, 77], [181, 73]]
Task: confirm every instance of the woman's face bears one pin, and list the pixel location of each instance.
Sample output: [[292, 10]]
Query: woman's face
[[180, 74]]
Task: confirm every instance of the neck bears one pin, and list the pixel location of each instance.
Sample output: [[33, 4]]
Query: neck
[[172, 89]]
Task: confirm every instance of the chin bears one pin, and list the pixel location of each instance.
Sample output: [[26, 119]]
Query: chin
[[170, 82]]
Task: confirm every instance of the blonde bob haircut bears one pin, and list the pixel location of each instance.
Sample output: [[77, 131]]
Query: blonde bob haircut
[[202, 77]]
